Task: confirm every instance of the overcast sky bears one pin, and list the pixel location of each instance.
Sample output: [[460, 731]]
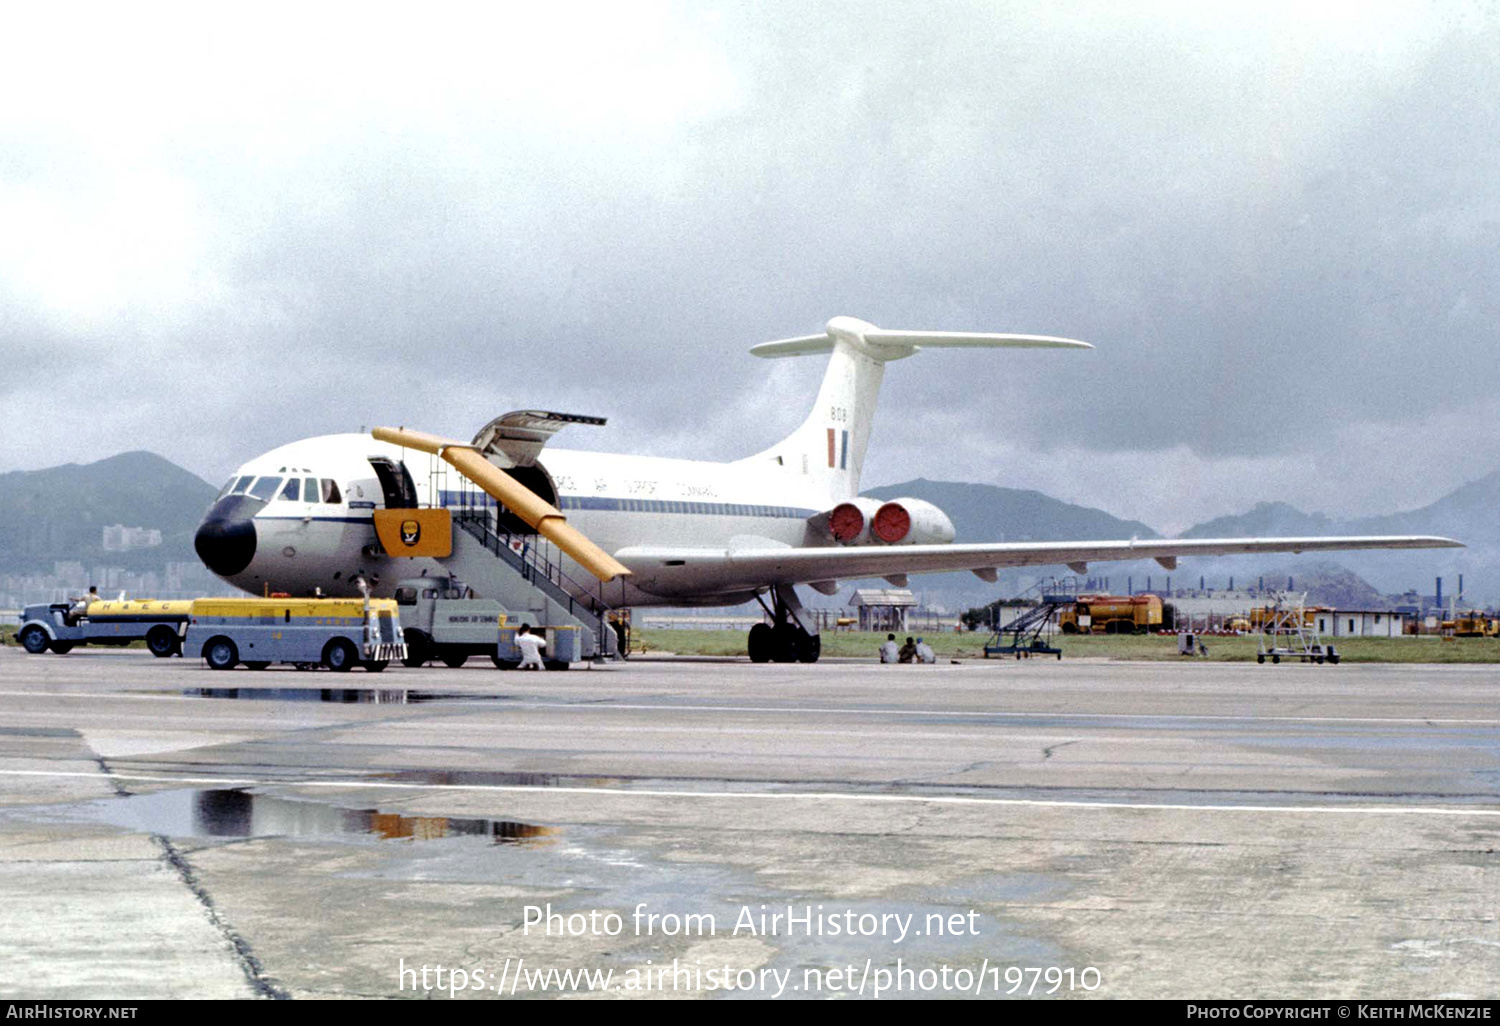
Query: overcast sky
[[223, 228]]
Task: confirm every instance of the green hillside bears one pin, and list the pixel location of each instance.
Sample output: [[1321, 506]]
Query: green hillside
[[60, 513]]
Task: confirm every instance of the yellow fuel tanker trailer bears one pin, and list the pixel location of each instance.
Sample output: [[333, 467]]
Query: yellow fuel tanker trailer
[[61, 625]]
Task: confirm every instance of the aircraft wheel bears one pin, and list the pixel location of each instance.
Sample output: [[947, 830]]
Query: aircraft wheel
[[418, 648], [503, 664], [759, 643], [455, 661], [340, 656], [34, 640], [376, 665], [1276, 659], [809, 647], [221, 654], [1334, 660], [784, 643], [162, 641]]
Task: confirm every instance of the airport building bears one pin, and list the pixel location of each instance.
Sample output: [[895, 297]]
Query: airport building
[[1356, 623], [882, 609]]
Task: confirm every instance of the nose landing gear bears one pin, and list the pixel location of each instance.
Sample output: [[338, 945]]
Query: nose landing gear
[[785, 639]]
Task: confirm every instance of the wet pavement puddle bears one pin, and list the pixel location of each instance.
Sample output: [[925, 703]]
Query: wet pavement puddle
[[234, 813], [341, 696]]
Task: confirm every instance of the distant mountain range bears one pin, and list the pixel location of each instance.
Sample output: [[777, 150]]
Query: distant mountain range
[[60, 513], [1470, 514]]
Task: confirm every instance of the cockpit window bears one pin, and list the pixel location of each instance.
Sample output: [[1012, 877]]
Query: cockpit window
[[406, 596], [293, 490], [228, 486], [309, 489], [331, 491], [242, 485], [265, 487]]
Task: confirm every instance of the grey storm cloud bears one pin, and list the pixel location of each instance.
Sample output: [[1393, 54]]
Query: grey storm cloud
[[1278, 225]]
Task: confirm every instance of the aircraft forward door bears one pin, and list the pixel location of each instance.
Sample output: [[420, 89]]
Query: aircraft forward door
[[396, 482]]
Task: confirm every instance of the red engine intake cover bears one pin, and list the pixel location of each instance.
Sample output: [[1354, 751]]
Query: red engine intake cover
[[891, 523], [846, 522]]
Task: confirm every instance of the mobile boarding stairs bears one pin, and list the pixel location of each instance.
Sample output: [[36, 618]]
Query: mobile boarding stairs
[[522, 570]]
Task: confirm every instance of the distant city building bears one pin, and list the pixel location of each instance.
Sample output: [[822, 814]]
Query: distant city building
[[69, 574], [69, 579], [119, 538]]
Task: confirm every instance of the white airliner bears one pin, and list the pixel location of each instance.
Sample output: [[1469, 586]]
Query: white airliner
[[691, 532]]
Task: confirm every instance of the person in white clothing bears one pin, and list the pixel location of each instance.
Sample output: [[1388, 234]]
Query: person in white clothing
[[888, 651], [531, 646]]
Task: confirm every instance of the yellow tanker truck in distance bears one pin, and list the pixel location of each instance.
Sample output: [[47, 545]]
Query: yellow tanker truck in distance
[[337, 633], [1111, 614], [1473, 624]]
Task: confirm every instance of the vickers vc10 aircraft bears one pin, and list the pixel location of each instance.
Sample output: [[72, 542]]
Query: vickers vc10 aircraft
[[677, 532]]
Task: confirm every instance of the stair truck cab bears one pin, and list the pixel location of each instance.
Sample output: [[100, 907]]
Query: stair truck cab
[[337, 633], [62, 625], [441, 619]]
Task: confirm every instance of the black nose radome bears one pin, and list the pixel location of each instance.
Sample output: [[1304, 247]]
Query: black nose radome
[[226, 539]]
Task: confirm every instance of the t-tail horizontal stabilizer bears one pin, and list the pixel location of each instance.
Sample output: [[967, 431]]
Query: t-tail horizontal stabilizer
[[887, 344]]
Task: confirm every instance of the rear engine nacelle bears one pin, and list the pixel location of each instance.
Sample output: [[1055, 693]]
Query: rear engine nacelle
[[849, 522], [910, 522]]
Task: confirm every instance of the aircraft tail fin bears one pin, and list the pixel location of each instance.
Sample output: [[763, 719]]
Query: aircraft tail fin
[[830, 445]]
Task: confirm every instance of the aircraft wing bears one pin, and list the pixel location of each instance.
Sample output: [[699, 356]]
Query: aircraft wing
[[759, 566]]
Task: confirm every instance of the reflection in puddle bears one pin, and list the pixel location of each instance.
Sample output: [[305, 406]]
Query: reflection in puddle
[[234, 813], [340, 696], [500, 778]]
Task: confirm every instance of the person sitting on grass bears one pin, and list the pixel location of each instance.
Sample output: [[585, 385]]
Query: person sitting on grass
[[925, 654]]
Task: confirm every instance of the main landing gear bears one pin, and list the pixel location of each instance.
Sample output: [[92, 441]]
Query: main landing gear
[[784, 640]]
